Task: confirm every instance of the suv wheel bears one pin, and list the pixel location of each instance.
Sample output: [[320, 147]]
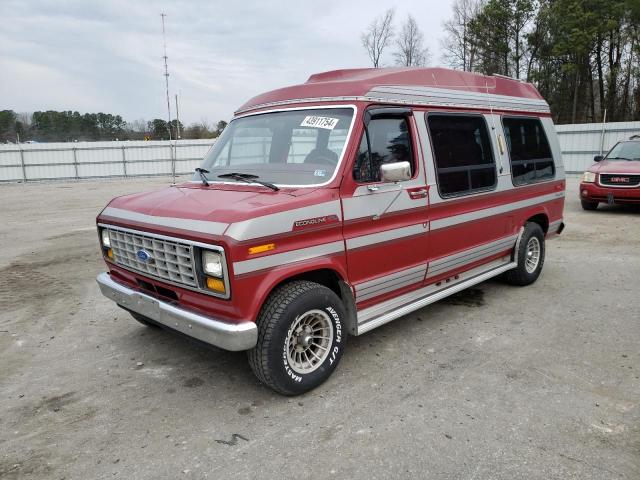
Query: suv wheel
[[586, 205], [300, 337], [530, 256]]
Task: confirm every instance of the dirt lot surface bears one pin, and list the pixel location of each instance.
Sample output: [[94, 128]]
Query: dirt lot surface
[[497, 382]]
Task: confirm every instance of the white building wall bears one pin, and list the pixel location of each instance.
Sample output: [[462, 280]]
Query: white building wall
[[48, 161]]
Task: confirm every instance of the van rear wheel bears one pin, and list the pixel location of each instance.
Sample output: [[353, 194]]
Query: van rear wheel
[[530, 256], [300, 337]]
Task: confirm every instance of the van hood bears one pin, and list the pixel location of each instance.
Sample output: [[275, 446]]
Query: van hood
[[617, 166], [220, 205]]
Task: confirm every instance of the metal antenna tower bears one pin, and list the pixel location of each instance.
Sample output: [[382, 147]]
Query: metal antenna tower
[[166, 82]]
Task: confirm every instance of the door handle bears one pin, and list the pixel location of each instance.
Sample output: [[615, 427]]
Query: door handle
[[418, 193]]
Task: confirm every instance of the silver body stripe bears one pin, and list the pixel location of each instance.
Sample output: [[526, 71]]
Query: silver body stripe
[[460, 259], [489, 212], [392, 276], [385, 236], [389, 310], [369, 204], [401, 94], [449, 97], [203, 226], [278, 259], [391, 286], [410, 276], [281, 222]]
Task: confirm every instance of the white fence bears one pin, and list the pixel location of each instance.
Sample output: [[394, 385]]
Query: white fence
[[581, 142], [48, 161]]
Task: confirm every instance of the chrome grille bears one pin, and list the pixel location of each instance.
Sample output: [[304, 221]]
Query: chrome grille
[[619, 180], [168, 260]]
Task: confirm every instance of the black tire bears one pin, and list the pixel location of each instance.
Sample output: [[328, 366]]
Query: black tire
[[522, 275], [144, 320], [286, 307], [587, 205]]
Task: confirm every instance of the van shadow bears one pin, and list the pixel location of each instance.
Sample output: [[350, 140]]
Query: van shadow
[[190, 366], [184, 364]]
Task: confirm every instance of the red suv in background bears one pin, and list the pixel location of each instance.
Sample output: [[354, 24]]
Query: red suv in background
[[614, 179]]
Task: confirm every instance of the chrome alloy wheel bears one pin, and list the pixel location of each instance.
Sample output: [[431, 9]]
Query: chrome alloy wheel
[[532, 255], [309, 340]]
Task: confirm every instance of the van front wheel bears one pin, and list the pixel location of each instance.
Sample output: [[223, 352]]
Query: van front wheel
[[300, 337], [530, 256]]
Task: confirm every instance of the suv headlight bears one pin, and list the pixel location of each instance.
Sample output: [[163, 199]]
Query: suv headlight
[[588, 177], [212, 263]]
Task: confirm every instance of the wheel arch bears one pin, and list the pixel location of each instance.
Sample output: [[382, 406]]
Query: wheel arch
[[329, 275], [541, 218]]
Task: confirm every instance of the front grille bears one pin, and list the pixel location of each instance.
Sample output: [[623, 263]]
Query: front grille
[[167, 259], [619, 180]]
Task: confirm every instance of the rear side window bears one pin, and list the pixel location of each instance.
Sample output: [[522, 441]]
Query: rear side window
[[463, 155], [386, 140], [529, 151]]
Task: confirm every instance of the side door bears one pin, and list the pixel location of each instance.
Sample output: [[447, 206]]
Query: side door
[[385, 224], [469, 190]]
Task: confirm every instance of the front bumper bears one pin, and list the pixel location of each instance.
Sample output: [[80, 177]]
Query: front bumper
[[594, 192], [229, 336]]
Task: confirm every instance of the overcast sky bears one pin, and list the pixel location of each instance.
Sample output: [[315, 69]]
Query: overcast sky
[[107, 56]]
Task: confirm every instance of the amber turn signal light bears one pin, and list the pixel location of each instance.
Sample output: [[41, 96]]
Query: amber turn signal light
[[215, 284], [110, 254], [261, 248]]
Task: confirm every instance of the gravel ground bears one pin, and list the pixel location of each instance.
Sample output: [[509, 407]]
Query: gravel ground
[[497, 382]]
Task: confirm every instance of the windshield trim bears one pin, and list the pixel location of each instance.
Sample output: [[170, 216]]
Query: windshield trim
[[312, 107]]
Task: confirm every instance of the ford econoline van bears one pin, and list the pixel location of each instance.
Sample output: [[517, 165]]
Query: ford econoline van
[[330, 208]]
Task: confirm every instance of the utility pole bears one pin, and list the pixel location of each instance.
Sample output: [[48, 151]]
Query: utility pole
[[175, 154], [166, 82]]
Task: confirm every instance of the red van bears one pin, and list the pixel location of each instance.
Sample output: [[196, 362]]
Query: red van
[[330, 208], [614, 179]]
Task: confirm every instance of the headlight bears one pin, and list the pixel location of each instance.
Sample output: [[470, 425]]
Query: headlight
[[588, 177], [106, 241], [212, 263]]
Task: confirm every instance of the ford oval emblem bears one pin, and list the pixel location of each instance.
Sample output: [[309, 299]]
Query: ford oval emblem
[[144, 256]]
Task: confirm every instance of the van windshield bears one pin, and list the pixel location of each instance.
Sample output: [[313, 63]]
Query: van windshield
[[288, 148]]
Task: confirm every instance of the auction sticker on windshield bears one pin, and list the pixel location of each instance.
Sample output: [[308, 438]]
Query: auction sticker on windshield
[[327, 123]]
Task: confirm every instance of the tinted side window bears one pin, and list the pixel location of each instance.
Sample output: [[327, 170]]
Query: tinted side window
[[463, 156], [389, 142], [529, 151]]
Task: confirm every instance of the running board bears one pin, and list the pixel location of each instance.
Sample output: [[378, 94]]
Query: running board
[[378, 315]]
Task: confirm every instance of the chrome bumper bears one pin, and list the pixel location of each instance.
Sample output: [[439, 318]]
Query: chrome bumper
[[229, 336]]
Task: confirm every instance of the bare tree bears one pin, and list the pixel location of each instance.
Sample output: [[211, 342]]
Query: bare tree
[[204, 124], [457, 47], [138, 126], [378, 36], [410, 49], [25, 118]]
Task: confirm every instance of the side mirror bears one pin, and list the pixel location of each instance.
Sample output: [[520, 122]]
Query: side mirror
[[395, 172], [598, 158]]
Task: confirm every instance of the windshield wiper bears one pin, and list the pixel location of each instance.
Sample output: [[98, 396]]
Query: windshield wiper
[[205, 180], [248, 178], [618, 158]]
